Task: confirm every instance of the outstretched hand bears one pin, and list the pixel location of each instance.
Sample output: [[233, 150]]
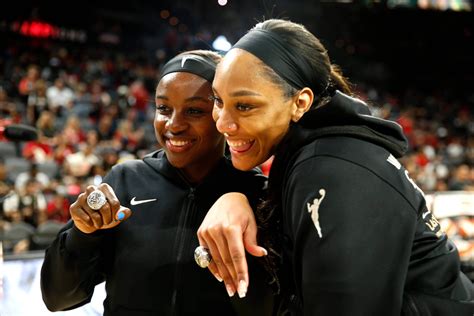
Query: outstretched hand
[[108, 216], [228, 230]]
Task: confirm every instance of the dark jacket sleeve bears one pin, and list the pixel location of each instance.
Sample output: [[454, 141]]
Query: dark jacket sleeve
[[351, 236], [72, 267]]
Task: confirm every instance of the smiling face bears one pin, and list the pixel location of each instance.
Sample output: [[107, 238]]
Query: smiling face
[[250, 109], [184, 126]]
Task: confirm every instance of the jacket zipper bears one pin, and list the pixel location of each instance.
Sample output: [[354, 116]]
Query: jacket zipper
[[182, 243]]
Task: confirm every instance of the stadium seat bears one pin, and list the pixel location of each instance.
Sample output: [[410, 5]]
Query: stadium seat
[[16, 165], [15, 233], [45, 234]]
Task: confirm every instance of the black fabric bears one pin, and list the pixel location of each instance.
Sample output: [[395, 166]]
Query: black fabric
[[190, 63], [275, 53], [147, 261], [379, 251]]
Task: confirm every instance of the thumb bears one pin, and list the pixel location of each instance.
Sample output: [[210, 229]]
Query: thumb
[[123, 213], [250, 242]]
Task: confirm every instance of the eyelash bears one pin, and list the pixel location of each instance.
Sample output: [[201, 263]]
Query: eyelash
[[243, 107], [239, 106], [164, 110], [215, 100]]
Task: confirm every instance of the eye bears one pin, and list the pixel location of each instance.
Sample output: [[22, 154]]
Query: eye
[[163, 109], [195, 111], [243, 107], [216, 100]]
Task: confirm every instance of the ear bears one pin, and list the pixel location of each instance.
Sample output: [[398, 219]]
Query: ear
[[302, 103]]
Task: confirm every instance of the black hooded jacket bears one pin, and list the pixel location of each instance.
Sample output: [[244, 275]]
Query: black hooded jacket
[[147, 261], [358, 237]]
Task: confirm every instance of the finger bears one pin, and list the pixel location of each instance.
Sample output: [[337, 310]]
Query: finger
[[236, 248], [220, 237], [111, 197], [217, 262], [250, 241], [78, 214], [95, 217], [106, 214], [123, 213], [215, 272], [212, 265]]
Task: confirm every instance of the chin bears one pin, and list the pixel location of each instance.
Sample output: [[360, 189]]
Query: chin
[[241, 165]]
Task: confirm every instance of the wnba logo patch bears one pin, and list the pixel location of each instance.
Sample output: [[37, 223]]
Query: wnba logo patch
[[314, 210]]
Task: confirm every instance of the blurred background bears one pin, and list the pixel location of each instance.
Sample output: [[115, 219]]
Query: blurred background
[[83, 74]]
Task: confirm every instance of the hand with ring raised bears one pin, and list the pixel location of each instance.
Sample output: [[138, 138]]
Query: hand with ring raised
[[98, 208]]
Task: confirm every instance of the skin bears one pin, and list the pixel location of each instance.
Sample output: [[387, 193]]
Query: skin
[[184, 127], [254, 115], [250, 109]]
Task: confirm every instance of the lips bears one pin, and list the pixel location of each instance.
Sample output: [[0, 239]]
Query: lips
[[178, 145], [240, 146]]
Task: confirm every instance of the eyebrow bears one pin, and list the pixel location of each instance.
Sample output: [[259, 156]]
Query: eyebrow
[[242, 93], [190, 99]]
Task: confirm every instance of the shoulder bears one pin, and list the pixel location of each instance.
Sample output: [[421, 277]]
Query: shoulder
[[357, 165]]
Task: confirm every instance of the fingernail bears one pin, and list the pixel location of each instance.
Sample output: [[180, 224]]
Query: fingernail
[[242, 288], [265, 252], [230, 290], [120, 215], [218, 277]]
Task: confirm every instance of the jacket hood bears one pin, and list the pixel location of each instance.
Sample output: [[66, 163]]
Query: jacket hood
[[344, 115]]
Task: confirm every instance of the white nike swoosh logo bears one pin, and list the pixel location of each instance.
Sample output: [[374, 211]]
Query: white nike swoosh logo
[[425, 213], [135, 202], [183, 61]]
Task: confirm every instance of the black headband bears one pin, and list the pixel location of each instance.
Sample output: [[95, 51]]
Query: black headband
[[190, 63], [278, 55]]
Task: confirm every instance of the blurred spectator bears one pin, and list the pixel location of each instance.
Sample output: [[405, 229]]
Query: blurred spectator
[[73, 131], [139, 99], [461, 179], [46, 124], [28, 207], [82, 105], [80, 163], [8, 108], [33, 174], [64, 146], [39, 150], [58, 208], [106, 127], [28, 82], [37, 102], [60, 97], [100, 100]]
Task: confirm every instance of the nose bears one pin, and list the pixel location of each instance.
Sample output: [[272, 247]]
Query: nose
[[176, 124], [225, 122]]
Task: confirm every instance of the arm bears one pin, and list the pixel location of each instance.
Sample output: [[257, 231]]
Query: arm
[[76, 261], [71, 268], [229, 229], [351, 237]]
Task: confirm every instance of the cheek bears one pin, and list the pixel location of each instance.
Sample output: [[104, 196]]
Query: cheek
[[159, 123]]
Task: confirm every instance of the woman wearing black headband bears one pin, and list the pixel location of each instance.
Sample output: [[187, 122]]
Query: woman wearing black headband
[[141, 238], [351, 230]]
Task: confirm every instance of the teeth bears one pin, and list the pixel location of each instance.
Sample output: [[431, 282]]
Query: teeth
[[238, 143], [179, 143]]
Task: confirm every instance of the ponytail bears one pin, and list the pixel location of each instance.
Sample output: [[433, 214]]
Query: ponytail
[[338, 81]]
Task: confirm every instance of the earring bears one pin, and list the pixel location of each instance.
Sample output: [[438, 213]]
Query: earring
[[226, 134]]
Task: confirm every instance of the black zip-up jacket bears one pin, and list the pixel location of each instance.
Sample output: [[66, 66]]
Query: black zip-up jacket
[[359, 239], [147, 261]]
